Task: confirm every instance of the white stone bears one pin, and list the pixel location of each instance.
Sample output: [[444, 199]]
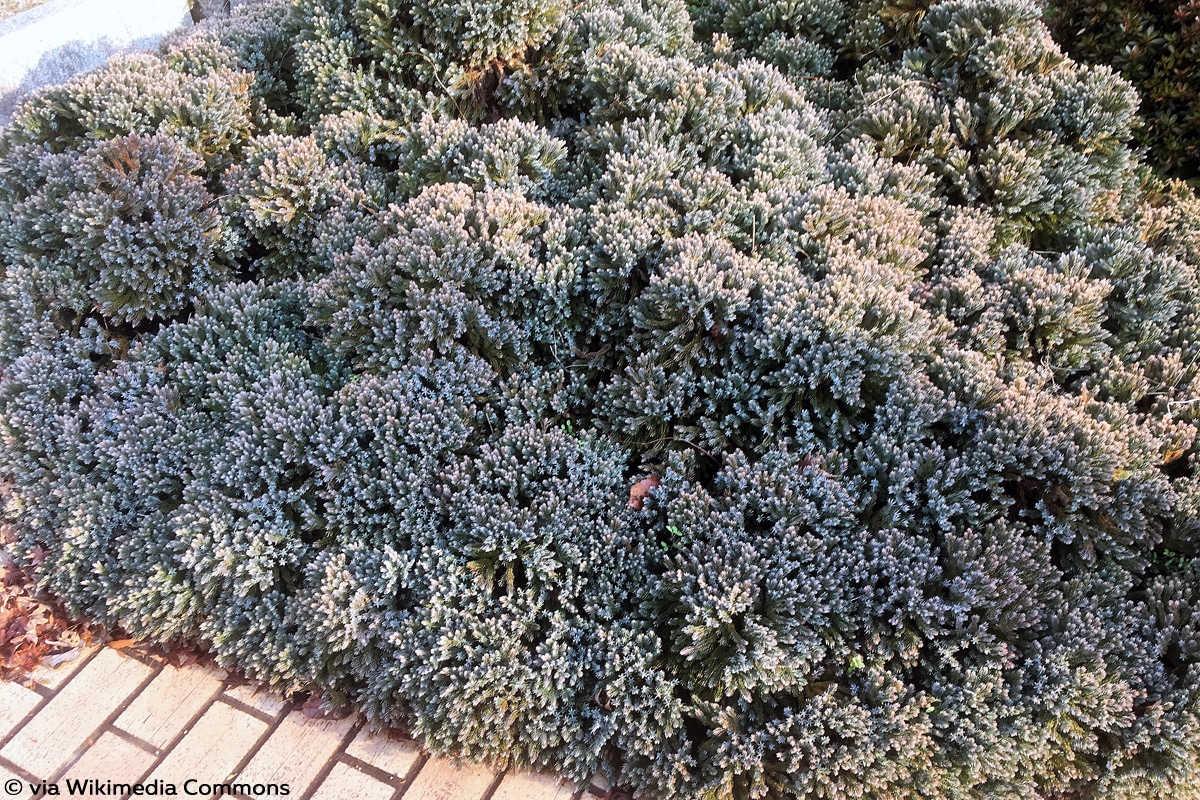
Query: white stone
[[62, 38]]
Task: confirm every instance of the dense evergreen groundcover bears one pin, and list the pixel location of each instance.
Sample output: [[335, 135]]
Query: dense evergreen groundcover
[[1155, 44], [749, 398]]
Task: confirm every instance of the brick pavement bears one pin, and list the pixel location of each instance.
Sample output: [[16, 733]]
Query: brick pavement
[[112, 717]]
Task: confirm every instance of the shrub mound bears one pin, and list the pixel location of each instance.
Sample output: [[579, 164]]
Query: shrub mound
[[746, 398]]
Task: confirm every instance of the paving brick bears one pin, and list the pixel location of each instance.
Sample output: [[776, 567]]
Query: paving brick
[[111, 758], [51, 738], [600, 782], [388, 753], [169, 703], [346, 783], [262, 700], [15, 704], [297, 751], [5, 777], [54, 677], [440, 779], [213, 748], [533, 786]]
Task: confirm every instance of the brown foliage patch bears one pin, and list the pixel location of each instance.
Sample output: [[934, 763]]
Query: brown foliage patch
[[33, 628]]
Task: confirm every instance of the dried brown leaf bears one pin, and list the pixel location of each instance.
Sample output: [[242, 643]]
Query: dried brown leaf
[[641, 490], [38, 555]]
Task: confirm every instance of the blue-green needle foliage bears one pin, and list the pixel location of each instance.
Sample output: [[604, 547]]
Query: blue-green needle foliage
[[745, 398]]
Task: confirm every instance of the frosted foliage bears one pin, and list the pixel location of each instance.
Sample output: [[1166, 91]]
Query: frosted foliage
[[743, 399], [125, 229]]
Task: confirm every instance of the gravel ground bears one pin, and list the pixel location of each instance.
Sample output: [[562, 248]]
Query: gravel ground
[[10, 7], [208, 8]]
